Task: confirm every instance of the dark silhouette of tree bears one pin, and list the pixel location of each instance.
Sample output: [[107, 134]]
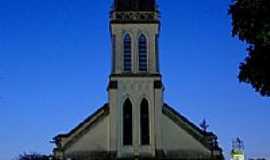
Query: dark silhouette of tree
[[33, 156], [251, 24]]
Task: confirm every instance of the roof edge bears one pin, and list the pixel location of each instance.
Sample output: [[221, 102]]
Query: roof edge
[[104, 109], [203, 137]]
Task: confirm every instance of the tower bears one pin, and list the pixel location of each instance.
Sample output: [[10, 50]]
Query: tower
[[135, 89]]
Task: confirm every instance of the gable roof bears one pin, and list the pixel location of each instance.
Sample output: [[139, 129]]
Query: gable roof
[[84, 126], [205, 138]]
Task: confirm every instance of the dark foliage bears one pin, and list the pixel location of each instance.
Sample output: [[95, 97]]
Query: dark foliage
[[33, 156], [251, 24], [256, 69]]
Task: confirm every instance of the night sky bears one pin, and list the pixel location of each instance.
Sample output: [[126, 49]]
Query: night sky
[[55, 63]]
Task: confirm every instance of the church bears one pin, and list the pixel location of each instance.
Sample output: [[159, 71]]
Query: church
[[136, 123]]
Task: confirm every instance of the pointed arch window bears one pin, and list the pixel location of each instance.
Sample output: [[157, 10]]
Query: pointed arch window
[[127, 123], [142, 53], [145, 137], [127, 54]]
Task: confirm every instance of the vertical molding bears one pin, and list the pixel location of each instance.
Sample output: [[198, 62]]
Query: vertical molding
[[113, 126], [135, 51], [113, 57], [158, 108], [157, 66]]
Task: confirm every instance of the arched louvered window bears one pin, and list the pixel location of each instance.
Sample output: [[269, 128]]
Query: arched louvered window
[[127, 123], [127, 54], [142, 53], [145, 137]]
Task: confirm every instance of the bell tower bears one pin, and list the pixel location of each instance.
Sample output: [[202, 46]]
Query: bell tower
[[134, 26], [135, 88]]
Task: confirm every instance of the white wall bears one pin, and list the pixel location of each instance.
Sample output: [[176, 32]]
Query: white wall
[[175, 138], [96, 139]]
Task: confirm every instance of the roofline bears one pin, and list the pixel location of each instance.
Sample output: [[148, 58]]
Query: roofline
[[132, 75], [134, 22], [105, 107], [194, 131]]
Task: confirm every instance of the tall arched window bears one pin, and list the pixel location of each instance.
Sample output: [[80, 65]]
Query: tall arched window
[[127, 54], [142, 53], [145, 137], [127, 123]]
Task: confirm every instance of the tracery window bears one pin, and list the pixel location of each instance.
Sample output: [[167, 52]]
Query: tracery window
[[142, 53], [127, 54]]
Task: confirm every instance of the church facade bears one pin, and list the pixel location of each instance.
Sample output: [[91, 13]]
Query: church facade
[[136, 123]]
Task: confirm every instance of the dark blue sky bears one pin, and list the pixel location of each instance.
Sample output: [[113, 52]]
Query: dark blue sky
[[55, 62]]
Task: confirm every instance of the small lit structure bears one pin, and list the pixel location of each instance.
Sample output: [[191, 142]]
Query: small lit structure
[[238, 152]]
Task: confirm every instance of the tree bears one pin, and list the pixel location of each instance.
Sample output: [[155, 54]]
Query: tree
[[33, 156], [251, 24]]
